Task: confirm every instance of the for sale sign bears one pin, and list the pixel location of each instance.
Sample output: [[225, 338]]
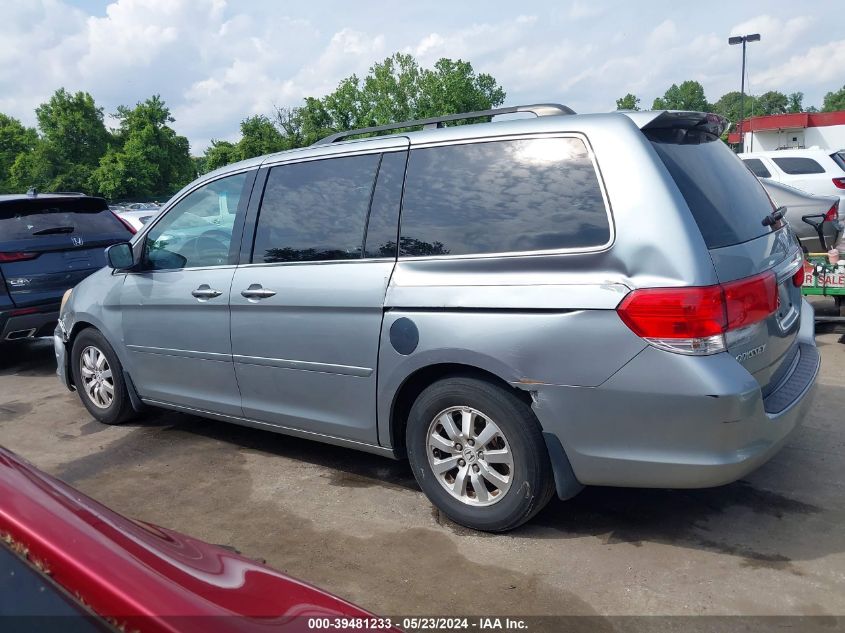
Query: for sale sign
[[823, 278]]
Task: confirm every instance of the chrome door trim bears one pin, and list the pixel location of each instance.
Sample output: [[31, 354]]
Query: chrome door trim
[[185, 353], [302, 365]]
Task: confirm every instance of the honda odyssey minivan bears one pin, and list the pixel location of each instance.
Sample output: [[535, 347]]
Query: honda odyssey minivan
[[521, 308]]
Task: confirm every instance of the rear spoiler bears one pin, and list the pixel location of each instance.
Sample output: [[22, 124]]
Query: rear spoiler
[[679, 124], [75, 203]]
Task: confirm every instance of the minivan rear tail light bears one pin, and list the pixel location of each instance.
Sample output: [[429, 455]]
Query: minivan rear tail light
[[832, 214], [839, 183], [694, 320], [798, 277], [19, 256]]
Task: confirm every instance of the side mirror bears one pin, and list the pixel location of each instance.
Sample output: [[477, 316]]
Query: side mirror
[[120, 256]]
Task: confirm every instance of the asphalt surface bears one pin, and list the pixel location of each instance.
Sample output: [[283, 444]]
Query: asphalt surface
[[358, 525]]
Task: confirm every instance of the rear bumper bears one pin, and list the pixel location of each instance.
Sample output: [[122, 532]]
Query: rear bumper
[[16, 327], [671, 421]]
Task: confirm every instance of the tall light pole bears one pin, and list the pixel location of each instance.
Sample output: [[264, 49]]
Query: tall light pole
[[742, 39]]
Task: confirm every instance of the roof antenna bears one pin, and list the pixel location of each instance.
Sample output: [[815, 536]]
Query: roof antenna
[[32, 193]]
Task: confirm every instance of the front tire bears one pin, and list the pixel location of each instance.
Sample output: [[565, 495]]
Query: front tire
[[98, 377], [478, 453]]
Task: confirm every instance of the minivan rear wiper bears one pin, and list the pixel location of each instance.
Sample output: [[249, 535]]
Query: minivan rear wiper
[[774, 217], [53, 230]]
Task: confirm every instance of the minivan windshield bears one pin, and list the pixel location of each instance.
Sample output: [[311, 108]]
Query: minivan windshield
[[725, 198]]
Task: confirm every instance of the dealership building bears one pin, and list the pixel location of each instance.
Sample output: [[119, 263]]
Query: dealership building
[[823, 130]]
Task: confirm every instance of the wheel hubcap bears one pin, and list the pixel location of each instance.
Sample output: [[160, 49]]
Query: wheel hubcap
[[97, 378], [470, 456]]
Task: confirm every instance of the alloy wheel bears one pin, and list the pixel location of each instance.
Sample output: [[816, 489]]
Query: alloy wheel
[[97, 378], [470, 456]]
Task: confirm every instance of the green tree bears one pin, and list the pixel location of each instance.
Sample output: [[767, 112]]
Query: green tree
[[834, 101], [795, 102], [729, 106], [772, 102], [73, 139], [259, 136], [15, 140], [220, 153], [688, 96], [148, 157], [628, 102], [397, 89]]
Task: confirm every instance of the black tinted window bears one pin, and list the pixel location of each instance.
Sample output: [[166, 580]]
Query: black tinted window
[[315, 210], [502, 196], [795, 165], [839, 159], [37, 219], [383, 226], [726, 200], [757, 167]]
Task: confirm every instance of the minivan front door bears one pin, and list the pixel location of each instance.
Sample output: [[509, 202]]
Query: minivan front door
[[307, 310], [176, 306]]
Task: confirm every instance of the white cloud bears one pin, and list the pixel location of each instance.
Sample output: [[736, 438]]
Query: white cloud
[[215, 62]]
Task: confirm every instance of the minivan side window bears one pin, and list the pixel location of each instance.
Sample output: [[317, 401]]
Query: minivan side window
[[757, 167], [315, 210], [502, 196], [795, 165], [197, 231]]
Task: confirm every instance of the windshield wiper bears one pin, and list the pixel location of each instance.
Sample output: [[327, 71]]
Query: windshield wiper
[[774, 217], [53, 230]]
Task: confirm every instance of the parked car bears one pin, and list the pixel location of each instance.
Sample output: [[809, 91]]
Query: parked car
[[798, 204], [817, 171], [48, 243], [567, 300], [68, 563]]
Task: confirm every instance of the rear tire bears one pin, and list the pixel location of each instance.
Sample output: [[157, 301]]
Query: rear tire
[[478, 453], [98, 377]]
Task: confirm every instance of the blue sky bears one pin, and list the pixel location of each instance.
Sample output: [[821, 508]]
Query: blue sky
[[217, 61]]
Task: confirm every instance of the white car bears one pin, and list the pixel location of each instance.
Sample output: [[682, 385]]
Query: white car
[[817, 171]]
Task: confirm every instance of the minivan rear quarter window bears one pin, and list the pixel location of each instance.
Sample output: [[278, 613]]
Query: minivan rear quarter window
[[502, 196], [726, 200], [797, 165]]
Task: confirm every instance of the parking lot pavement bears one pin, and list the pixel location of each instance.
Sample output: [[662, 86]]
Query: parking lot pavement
[[357, 525]]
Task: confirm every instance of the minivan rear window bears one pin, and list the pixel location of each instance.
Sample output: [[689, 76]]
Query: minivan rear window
[[37, 219], [795, 165], [726, 200], [839, 159]]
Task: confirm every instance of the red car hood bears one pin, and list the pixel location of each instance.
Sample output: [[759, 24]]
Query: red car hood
[[147, 577]]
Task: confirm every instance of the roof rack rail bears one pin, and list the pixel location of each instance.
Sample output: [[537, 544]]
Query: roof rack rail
[[538, 109]]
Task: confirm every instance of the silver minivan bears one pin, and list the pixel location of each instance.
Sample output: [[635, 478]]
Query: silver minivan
[[521, 307]]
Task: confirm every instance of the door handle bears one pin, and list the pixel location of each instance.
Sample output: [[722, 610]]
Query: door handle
[[257, 291], [206, 292]]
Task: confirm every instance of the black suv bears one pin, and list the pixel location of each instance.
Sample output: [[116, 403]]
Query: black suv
[[48, 243]]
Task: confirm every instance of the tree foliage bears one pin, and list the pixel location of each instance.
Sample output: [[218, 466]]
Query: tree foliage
[[396, 89], [15, 140], [147, 157], [628, 102], [834, 101], [72, 140], [688, 96]]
